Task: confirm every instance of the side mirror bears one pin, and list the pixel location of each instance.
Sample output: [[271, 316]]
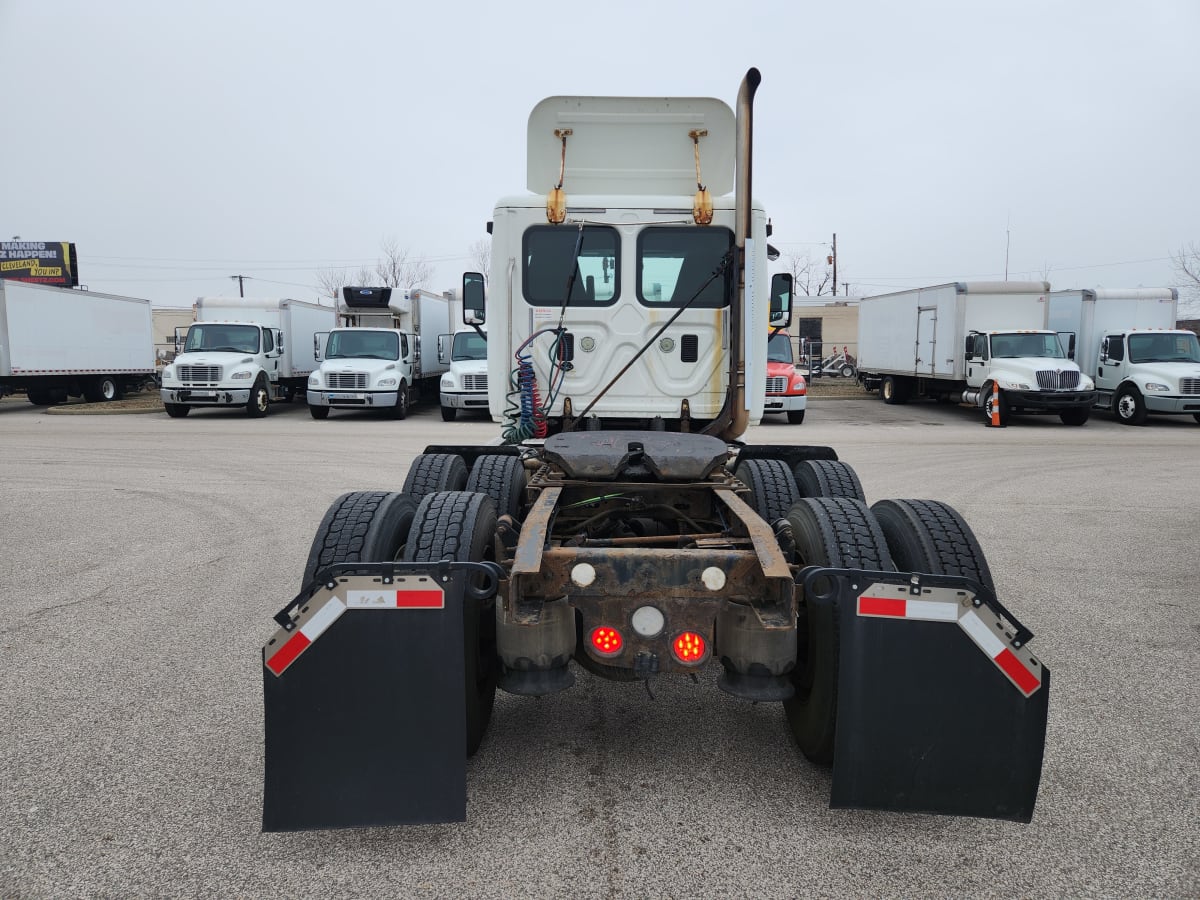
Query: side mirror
[[443, 355], [781, 300], [1104, 350], [473, 295], [970, 346], [1071, 347], [317, 342]]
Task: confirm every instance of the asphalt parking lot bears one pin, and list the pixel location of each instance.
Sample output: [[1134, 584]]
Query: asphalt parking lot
[[142, 559]]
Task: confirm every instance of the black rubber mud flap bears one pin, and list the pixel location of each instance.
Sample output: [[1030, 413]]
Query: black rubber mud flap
[[941, 706], [364, 701]]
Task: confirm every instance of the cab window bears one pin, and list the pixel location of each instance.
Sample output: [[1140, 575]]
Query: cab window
[[675, 266], [558, 259]]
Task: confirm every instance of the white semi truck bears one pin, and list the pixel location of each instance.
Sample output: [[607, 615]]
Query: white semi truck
[[382, 357], [57, 343], [983, 344], [624, 527], [1126, 340], [247, 352]]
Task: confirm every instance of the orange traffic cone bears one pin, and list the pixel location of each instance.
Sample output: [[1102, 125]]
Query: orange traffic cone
[[995, 422]]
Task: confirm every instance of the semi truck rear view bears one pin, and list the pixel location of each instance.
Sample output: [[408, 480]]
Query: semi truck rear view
[[624, 529]]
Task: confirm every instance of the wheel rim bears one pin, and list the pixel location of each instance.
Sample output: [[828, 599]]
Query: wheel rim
[[1126, 407], [260, 399], [887, 388], [108, 390]]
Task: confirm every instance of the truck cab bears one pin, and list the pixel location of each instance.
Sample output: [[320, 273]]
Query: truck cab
[[787, 391], [363, 368], [465, 385], [1029, 372], [1143, 371], [224, 363]]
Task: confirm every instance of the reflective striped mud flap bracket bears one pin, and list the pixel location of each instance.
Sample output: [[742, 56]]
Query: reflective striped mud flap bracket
[[941, 707], [364, 703]]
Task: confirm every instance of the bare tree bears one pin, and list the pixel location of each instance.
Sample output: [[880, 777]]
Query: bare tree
[[398, 267], [331, 281], [1187, 274], [481, 257], [809, 278]]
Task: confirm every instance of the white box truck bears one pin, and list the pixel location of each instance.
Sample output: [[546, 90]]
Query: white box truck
[[57, 343], [1126, 340], [384, 354], [984, 344], [465, 385], [245, 351]]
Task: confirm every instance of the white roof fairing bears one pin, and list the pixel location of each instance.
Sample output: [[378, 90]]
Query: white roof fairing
[[631, 145]]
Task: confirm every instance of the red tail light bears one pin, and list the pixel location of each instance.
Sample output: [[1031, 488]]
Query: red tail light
[[607, 641], [689, 647]]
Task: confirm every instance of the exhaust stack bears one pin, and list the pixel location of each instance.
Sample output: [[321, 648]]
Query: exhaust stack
[[734, 418]]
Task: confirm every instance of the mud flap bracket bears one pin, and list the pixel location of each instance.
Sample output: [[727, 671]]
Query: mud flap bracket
[[941, 706]]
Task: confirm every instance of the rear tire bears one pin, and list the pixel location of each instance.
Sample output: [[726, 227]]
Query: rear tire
[[458, 526], [795, 416], [431, 472], [827, 531], [449, 413], [177, 410], [930, 536], [827, 478], [318, 412], [503, 479], [893, 390], [362, 526], [773, 490]]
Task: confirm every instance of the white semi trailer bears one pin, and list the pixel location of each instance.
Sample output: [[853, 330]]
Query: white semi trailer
[[244, 351], [1126, 340], [57, 343], [982, 344]]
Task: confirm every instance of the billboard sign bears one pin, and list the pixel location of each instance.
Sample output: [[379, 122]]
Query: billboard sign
[[40, 262]]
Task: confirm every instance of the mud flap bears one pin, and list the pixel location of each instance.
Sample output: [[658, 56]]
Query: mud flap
[[941, 706], [364, 703]]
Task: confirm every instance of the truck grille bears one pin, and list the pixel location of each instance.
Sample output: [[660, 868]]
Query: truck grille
[[346, 381], [1050, 380], [1189, 385], [777, 384], [474, 382], [202, 374]]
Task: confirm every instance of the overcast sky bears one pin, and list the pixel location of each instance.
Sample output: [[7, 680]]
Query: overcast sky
[[178, 143]]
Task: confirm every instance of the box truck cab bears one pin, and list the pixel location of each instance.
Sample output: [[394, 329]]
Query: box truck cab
[[1127, 341], [363, 368], [246, 352], [787, 391], [465, 385], [1029, 371]]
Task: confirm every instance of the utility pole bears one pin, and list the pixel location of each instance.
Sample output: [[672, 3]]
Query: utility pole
[[240, 278], [833, 259]]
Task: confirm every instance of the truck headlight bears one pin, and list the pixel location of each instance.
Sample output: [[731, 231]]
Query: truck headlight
[[242, 376], [314, 381], [798, 384], [1018, 386], [448, 382], [386, 382], [1086, 384], [168, 373], [1155, 386]]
